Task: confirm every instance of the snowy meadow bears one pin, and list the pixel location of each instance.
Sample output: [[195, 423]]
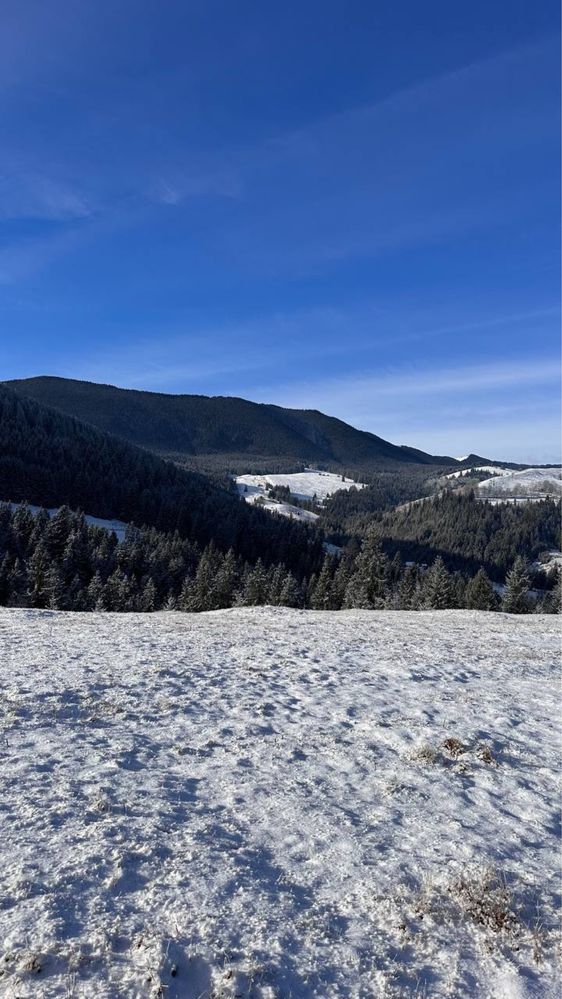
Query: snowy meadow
[[277, 803]]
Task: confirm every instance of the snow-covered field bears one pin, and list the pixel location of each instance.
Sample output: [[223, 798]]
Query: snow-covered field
[[531, 482], [488, 469], [303, 485], [278, 803], [259, 496]]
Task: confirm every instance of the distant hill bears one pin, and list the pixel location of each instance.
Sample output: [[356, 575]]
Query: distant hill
[[221, 431]]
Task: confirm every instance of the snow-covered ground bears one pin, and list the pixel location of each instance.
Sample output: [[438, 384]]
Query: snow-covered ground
[[534, 483], [117, 526], [278, 803], [276, 506], [303, 485], [308, 485], [488, 469]]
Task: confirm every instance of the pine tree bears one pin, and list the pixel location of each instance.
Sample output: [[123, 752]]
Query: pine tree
[[186, 594], [225, 580], [58, 596], [291, 594], [408, 592], [18, 585], [480, 593], [147, 596], [321, 596], [38, 572], [275, 586], [341, 578], [368, 586], [552, 601], [5, 569], [118, 592], [437, 589], [255, 587], [58, 530], [94, 594], [516, 595]]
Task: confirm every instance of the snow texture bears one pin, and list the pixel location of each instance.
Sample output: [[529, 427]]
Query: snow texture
[[258, 496], [118, 527], [491, 469], [276, 803], [531, 482], [303, 485]]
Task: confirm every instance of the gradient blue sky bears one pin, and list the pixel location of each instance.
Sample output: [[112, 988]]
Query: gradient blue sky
[[350, 206]]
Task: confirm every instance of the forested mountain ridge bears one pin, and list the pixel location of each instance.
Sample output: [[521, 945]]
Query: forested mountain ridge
[[183, 427], [203, 548], [49, 459]]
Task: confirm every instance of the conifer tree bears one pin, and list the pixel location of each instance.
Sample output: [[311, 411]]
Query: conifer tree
[[437, 589], [291, 594], [516, 595], [276, 586], [255, 588], [368, 586], [552, 601], [225, 581], [321, 596], [408, 596], [147, 596], [480, 593], [94, 593], [38, 572]]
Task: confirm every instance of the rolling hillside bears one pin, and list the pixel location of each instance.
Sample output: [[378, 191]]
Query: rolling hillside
[[221, 432]]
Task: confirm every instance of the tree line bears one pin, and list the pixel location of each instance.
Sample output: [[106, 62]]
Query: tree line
[[466, 531], [63, 562], [49, 459]]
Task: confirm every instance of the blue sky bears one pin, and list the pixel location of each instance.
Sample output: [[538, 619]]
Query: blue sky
[[349, 206]]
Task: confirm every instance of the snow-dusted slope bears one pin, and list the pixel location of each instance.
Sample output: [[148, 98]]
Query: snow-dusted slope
[[118, 527], [531, 482], [258, 496], [303, 485], [489, 469], [270, 803]]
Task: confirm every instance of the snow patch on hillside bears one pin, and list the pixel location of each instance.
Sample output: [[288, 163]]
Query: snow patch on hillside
[[490, 469], [303, 485], [532, 483], [118, 527], [271, 803], [259, 498]]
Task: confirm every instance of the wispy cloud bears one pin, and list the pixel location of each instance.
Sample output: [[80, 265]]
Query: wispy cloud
[[226, 354], [366, 389], [34, 196], [450, 408]]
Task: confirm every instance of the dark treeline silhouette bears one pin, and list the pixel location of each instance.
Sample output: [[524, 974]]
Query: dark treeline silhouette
[[49, 459], [62, 562], [233, 430]]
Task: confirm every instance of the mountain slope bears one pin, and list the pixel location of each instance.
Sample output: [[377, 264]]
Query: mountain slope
[[184, 426], [50, 459]]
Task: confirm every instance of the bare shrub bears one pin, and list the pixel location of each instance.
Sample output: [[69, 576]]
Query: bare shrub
[[453, 747], [486, 900], [425, 753], [485, 754]]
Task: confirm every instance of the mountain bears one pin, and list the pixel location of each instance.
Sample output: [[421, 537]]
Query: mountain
[[224, 432], [50, 459]]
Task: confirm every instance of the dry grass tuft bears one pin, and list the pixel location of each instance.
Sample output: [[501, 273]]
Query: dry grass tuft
[[454, 747], [425, 753]]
